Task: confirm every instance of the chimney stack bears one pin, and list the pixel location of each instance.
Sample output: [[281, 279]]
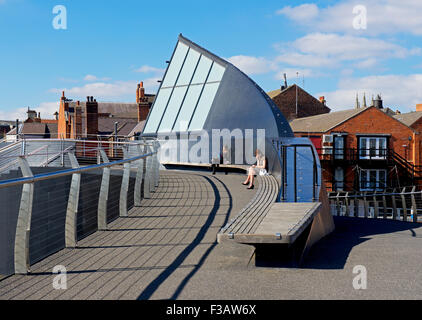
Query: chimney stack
[[378, 102], [143, 104], [137, 93], [322, 100], [419, 107], [90, 125], [285, 82]]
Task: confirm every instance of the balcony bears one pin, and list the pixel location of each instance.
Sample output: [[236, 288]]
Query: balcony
[[355, 155]]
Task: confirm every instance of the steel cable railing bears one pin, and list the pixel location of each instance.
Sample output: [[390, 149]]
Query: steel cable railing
[[54, 208], [403, 204]]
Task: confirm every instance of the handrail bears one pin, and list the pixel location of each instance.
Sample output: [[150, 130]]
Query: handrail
[[136, 142], [67, 172], [371, 194]]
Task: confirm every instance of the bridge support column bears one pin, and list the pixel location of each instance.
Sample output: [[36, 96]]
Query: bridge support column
[[103, 198], [125, 186], [72, 205], [23, 227], [139, 177]]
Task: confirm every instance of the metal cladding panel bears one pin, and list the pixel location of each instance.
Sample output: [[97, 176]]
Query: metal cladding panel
[[240, 103]]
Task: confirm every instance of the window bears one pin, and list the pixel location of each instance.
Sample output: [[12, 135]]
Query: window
[[339, 179], [172, 109], [373, 179], [373, 148], [175, 65], [204, 106], [187, 92], [157, 112], [338, 147]]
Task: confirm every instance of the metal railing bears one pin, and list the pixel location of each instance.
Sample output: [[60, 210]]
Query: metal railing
[[139, 157], [398, 204]]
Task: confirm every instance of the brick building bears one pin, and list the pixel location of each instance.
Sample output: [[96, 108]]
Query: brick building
[[91, 119], [369, 148], [307, 105], [34, 127]]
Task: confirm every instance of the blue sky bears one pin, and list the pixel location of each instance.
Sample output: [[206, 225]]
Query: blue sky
[[111, 45]]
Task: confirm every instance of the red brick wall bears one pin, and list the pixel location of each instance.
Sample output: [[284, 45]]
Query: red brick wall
[[91, 123], [307, 104], [63, 130], [373, 121]]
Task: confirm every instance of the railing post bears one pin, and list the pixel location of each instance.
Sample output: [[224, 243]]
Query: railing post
[[384, 204], [338, 204], [365, 205], [23, 227], [157, 164], [139, 177], [414, 206], [125, 185], [103, 198], [283, 175], [403, 202], [72, 205], [393, 201], [152, 166], [346, 202], [356, 207], [147, 179], [376, 209], [295, 171]]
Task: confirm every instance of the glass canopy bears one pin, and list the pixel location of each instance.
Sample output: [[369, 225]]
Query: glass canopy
[[186, 93]]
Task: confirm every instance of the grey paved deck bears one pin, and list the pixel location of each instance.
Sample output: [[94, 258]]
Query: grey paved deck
[[169, 236], [166, 250]]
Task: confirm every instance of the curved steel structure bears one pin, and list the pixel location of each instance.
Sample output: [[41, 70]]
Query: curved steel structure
[[210, 93]]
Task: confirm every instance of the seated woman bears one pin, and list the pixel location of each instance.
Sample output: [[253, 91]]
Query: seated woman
[[259, 168]]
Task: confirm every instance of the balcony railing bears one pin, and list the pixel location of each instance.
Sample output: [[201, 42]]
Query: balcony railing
[[354, 154]]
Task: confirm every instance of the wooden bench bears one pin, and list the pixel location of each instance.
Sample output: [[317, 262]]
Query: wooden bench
[[250, 217], [283, 223]]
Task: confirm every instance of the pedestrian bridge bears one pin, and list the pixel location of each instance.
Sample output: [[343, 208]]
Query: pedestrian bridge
[[164, 245]]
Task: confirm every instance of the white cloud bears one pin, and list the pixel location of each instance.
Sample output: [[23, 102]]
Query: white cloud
[[300, 13], [90, 77], [252, 65], [46, 109], [398, 91], [114, 90], [149, 69], [383, 16], [330, 50]]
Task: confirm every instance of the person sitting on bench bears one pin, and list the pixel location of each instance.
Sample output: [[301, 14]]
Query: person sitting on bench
[[258, 168]]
